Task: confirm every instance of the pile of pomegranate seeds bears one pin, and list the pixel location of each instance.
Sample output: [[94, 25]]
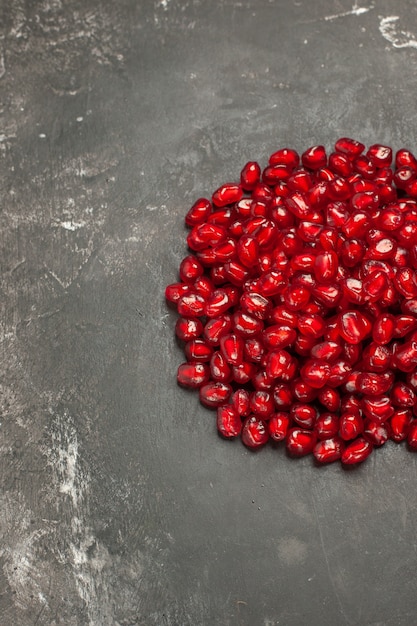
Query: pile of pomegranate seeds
[[298, 302]]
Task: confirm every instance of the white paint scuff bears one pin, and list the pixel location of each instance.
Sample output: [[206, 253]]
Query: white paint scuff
[[355, 10], [398, 38], [72, 226]]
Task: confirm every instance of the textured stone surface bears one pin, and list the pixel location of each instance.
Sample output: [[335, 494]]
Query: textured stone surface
[[119, 505]]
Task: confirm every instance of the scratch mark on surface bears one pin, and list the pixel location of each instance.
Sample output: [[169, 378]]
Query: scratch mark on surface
[[72, 226], [355, 10], [398, 38], [329, 571]]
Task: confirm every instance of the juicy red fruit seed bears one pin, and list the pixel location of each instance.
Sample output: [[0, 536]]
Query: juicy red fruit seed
[[229, 423], [254, 432]]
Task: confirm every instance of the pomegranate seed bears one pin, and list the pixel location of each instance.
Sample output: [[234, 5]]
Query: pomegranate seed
[[261, 403], [240, 402], [353, 326], [280, 364], [314, 158], [400, 424], [254, 432], [328, 450], [377, 408], [350, 147], [357, 451], [191, 305], [375, 432], [232, 347], [250, 175], [227, 194], [229, 423], [220, 370], [327, 425], [215, 394], [350, 426], [412, 435], [199, 212], [285, 156], [188, 328], [193, 375], [300, 442], [303, 415], [278, 425]]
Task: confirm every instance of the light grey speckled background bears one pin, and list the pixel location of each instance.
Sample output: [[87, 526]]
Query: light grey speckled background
[[119, 505]]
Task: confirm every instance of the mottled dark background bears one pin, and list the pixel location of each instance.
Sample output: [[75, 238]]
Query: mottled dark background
[[120, 506]]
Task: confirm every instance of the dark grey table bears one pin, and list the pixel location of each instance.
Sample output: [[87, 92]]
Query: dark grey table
[[120, 506]]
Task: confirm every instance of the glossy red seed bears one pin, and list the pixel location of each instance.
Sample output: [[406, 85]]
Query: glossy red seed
[[412, 435], [199, 212], [285, 156], [314, 158], [187, 328], [232, 346], [175, 291], [350, 147], [191, 305], [254, 432], [353, 326], [246, 325], [239, 400], [214, 394], [250, 175], [243, 373], [229, 423], [220, 370], [216, 327], [326, 425], [377, 408], [277, 336], [193, 375], [400, 424], [304, 415], [315, 372], [227, 194], [261, 403], [302, 391], [357, 451], [329, 398], [350, 426], [328, 450], [278, 425], [280, 364], [402, 395], [300, 442]]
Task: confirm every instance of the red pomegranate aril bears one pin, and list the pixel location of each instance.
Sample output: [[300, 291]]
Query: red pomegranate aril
[[377, 408], [381, 250], [261, 403], [250, 175], [365, 167], [380, 155], [329, 295], [232, 347], [175, 291], [300, 442], [403, 176], [405, 358], [373, 384], [376, 358], [412, 435], [314, 158], [248, 251], [262, 192], [255, 304], [304, 415], [222, 217], [229, 423], [187, 328], [199, 212], [190, 269], [278, 425], [303, 345], [402, 395], [383, 329], [329, 398], [239, 400], [339, 372], [351, 352], [243, 373], [191, 305], [353, 291], [205, 235], [295, 298], [352, 252], [217, 303], [405, 157], [356, 225], [246, 325], [214, 394], [326, 350], [350, 147], [254, 432], [326, 265], [311, 325], [198, 350], [225, 251], [215, 328], [400, 424], [217, 276], [236, 273], [300, 181], [353, 326], [340, 164], [204, 286], [357, 451], [220, 370], [277, 336], [274, 173], [280, 364], [253, 350], [302, 391], [315, 372], [350, 426], [193, 375], [328, 450], [326, 425], [227, 194], [262, 382], [283, 396], [285, 156], [259, 208]]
